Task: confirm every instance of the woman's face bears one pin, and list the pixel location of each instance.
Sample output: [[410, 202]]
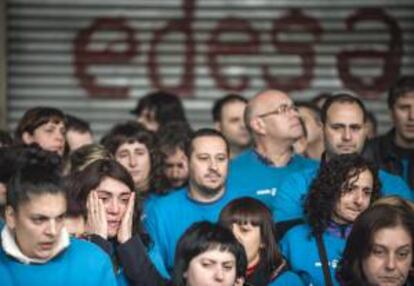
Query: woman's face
[[212, 268], [49, 136], [135, 157], [249, 236], [114, 195], [391, 257], [354, 200]]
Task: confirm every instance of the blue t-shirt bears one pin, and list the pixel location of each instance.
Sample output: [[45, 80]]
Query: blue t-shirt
[[287, 278], [293, 190], [301, 251], [252, 175], [82, 263], [171, 215]]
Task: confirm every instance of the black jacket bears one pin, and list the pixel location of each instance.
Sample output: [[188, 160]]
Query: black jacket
[[388, 156]]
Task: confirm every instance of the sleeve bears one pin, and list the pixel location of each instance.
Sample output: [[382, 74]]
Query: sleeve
[[137, 264], [104, 244]]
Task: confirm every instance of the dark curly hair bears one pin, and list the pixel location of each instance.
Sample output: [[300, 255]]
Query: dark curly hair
[[131, 132], [333, 179]]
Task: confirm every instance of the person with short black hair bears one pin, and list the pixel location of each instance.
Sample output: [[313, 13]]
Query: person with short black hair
[[228, 118], [311, 117], [379, 250], [172, 139], [345, 186], [201, 199], [394, 151], [44, 126], [208, 254], [35, 248], [78, 132], [158, 108]]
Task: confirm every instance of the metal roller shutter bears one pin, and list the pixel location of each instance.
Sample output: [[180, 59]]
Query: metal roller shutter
[[95, 58]]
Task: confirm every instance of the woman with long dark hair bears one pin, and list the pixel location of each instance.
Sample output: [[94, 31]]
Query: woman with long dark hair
[[345, 186]]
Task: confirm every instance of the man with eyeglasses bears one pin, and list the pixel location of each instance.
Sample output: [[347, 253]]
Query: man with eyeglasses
[[343, 118], [273, 121]]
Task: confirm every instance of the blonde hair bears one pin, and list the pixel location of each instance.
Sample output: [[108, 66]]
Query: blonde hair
[[395, 201], [85, 155]]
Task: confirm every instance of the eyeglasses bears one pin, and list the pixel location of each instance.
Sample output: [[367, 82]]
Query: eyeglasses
[[281, 110]]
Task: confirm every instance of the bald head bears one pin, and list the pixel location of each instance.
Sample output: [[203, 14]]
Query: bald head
[[262, 103]]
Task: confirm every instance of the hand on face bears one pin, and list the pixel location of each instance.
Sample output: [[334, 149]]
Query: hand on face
[[96, 222], [125, 229]]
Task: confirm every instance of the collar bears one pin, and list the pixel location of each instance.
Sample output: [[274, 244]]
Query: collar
[[12, 249], [339, 230], [267, 161]]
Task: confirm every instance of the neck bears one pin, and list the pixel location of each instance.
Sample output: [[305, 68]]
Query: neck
[[315, 149], [280, 155], [235, 150], [201, 196], [403, 143]]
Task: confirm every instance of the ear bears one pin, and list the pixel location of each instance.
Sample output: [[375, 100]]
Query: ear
[[185, 275], [10, 216], [258, 126], [27, 138], [217, 125]]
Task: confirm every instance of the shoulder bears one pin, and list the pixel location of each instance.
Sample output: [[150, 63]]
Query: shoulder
[[242, 158], [86, 251], [296, 233]]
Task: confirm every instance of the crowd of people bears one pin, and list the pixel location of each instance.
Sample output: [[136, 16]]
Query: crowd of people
[[277, 192]]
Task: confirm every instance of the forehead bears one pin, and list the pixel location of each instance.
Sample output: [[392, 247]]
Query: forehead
[[216, 255], [407, 98], [363, 177], [235, 106], [113, 186], [209, 144], [270, 100], [127, 146], [392, 236], [345, 112], [49, 205]]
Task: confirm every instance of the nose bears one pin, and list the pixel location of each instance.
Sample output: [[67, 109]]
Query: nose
[[219, 274], [411, 114], [113, 206], [59, 136], [213, 164], [358, 198], [391, 263], [132, 161], [51, 228], [346, 134]]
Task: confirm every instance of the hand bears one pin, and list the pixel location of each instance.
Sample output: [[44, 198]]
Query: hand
[[96, 221], [125, 229]]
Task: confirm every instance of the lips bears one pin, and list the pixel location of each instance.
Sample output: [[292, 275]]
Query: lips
[[46, 245], [113, 224]]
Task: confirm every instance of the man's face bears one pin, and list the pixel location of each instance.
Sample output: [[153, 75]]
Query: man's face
[[136, 159], [50, 136], [232, 124], [403, 118], [176, 168], [312, 124], [390, 258], [78, 139], [37, 224], [208, 165], [344, 129], [355, 199], [279, 117]]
